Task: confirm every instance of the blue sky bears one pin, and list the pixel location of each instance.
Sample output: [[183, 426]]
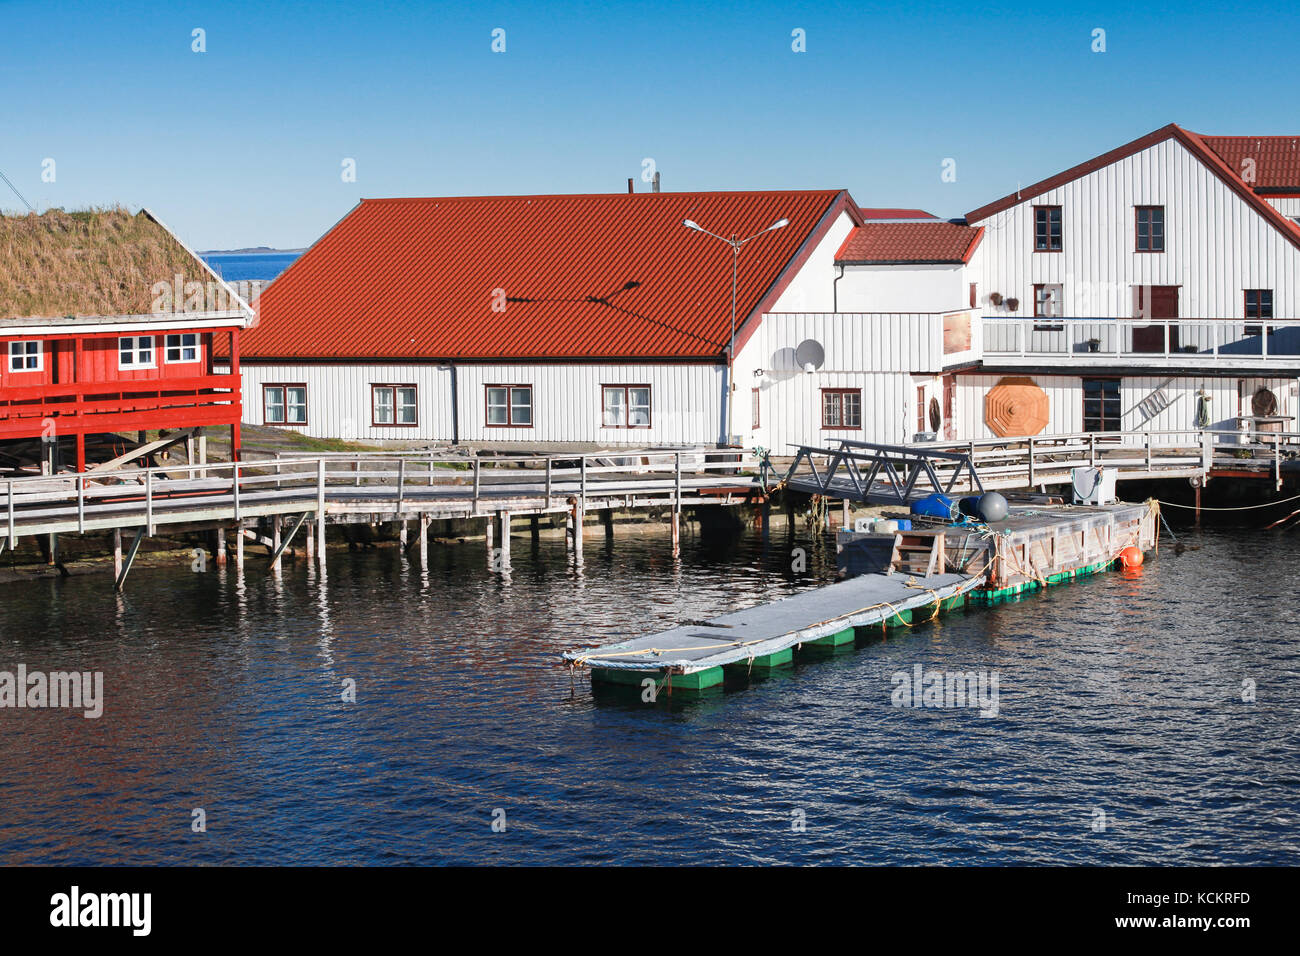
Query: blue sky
[[244, 144]]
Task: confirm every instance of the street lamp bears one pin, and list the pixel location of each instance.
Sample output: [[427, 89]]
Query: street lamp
[[735, 262]]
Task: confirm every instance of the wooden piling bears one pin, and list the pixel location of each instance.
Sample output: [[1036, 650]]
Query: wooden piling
[[576, 519], [219, 533], [275, 542], [504, 517], [117, 554], [424, 539], [320, 512], [239, 549]]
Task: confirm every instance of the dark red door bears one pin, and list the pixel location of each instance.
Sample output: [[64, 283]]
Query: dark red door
[[1156, 302]]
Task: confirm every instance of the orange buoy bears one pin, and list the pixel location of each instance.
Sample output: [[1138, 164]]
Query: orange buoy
[[1131, 557]]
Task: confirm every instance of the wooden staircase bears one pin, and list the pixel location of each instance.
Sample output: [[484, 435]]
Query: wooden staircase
[[919, 553]]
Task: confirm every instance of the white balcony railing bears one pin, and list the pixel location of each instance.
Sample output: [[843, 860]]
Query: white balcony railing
[[1226, 343]]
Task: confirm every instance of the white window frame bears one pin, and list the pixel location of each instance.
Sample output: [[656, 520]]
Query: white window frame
[[23, 354], [511, 406], [135, 350], [625, 406], [394, 406], [180, 348], [285, 406]]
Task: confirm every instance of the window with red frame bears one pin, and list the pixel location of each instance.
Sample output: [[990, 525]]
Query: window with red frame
[[1259, 305], [1047, 228], [841, 408], [1150, 229]]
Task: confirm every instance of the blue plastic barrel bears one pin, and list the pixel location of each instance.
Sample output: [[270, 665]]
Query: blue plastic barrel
[[935, 506]]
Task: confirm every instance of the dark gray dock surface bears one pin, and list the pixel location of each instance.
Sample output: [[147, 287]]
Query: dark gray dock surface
[[777, 625]]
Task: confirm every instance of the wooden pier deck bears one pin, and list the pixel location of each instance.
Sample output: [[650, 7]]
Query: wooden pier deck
[[369, 488]]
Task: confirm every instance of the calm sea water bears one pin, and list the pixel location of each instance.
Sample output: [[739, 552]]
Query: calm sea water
[[264, 266], [1119, 694]]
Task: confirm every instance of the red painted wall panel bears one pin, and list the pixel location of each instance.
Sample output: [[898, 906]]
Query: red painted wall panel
[[99, 363]]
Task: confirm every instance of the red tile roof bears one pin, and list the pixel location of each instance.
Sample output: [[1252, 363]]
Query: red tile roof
[[1194, 143], [582, 276], [870, 214], [1273, 161], [887, 243]]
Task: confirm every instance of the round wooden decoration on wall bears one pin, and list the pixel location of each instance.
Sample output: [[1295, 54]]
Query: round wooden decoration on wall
[[1016, 406], [1263, 404]]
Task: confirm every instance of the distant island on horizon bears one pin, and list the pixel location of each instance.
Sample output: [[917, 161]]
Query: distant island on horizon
[[252, 251]]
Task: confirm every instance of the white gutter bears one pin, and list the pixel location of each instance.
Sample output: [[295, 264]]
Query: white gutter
[[28, 328]]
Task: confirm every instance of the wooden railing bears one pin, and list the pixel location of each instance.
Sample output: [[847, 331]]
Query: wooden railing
[[1194, 342], [1136, 454], [109, 406], [969, 467], [380, 483]]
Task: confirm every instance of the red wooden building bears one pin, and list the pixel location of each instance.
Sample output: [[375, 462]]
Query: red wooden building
[[107, 326]]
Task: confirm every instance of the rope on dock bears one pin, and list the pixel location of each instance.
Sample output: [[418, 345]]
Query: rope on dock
[[938, 601]]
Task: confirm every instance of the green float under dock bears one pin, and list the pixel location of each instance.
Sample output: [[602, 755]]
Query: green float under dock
[[765, 637]]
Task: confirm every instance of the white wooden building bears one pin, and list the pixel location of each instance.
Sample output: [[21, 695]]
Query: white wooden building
[[1154, 288], [1146, 290]]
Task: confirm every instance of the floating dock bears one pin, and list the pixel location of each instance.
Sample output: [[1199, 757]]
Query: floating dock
[[766, 635], [921, 572]]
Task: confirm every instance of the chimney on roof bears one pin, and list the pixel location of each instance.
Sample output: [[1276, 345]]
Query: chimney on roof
[[655, 188], [629, 184]]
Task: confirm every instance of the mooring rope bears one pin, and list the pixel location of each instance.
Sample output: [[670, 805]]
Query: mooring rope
[[938, 601], [1267, 504]]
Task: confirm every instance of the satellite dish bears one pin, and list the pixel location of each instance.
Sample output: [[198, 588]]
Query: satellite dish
[[810, 355]]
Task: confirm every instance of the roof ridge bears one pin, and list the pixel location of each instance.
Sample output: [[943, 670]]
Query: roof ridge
[[608, 195]]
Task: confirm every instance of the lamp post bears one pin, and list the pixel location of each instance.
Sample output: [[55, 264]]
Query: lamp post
[[735, 264]]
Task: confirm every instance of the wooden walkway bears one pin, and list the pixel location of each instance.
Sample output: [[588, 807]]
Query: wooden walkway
[[898, 474], [316, 491]]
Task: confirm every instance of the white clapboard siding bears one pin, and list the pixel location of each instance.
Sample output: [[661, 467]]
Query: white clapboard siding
[[686, 401], [791, 410], [852, 341], [876, 353], [913, 287], [1216, 245], [1229, 397], [1286, 205], [339, 398]]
